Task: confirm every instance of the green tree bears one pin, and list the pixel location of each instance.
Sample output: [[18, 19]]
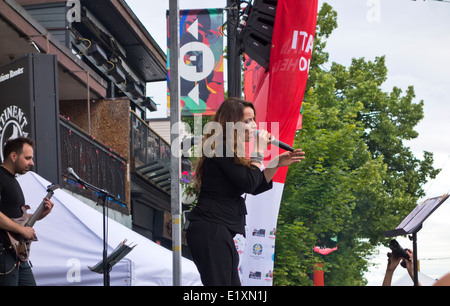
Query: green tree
[[358, 178]]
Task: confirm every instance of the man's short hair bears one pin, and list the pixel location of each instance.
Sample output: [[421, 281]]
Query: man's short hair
[[16, 145]]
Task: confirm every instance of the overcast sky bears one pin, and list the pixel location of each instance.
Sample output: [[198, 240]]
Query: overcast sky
[[415, 38]]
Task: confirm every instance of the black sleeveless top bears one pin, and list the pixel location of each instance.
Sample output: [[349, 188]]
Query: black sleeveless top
[[223, 184]]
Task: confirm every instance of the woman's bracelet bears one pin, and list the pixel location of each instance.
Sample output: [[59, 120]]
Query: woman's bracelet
[[258, 158]]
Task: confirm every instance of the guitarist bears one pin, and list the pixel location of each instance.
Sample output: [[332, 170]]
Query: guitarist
[[18, 159]]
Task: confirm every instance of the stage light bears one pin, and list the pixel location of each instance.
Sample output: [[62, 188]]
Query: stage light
[[117, 74], [134, 90], [97, 53], [149, 104]]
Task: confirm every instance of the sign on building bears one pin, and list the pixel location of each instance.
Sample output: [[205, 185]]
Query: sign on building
[[29, 108]]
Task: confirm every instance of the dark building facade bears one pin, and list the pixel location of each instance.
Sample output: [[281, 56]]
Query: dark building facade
[[77, 72]]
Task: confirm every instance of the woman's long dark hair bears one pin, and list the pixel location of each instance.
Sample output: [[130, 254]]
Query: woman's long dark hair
[[231, 110]]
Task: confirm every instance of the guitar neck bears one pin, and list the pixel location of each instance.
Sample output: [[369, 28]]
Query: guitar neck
[[38, 211]]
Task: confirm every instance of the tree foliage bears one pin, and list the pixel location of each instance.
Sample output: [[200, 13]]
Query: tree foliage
[[358, 178]]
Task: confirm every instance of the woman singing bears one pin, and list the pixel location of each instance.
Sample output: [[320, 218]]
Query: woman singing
[[222, 176]]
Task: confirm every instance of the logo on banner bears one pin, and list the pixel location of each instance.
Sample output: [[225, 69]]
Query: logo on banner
[[254, 275], [269, 276], [239, 244], [197, 63], [257, 249], [12, 125], [259, 233], [272, 233]]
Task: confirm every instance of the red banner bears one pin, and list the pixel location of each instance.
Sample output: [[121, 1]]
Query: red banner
[[280, 97]]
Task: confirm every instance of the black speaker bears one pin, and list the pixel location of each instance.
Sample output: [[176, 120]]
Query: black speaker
[[257, 47], [268, 7], [262, 23], [256, 35]]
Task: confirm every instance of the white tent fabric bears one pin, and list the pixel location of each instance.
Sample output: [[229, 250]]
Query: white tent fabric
[[71, 239], [406, 280]]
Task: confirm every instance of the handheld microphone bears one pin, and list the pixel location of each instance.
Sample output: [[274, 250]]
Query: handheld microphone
[[71, 172], [278, 143]]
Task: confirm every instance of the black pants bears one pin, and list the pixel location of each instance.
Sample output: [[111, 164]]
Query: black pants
[[14, 272], [214, 253]]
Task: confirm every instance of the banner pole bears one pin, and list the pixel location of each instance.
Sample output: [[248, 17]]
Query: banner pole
[[233, 58], [175, 118]]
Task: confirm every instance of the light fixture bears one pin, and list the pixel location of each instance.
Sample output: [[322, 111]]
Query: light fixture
[[134, 90], [97, 53], [117, 74], [149, 104]]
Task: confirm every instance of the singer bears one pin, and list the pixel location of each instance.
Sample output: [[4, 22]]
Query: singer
[[221, 181], [18, 154]]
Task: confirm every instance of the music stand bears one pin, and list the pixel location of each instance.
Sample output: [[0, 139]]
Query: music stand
[[117, 255], [413, 223], [103, 195]]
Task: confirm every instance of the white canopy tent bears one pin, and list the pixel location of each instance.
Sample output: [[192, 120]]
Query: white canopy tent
[[406, 280], [71, 239]]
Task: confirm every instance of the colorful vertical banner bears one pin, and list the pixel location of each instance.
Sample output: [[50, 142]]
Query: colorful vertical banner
[[278, 99], [201, 61]]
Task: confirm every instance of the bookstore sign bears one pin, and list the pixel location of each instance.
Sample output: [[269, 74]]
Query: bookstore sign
[[14, 120], [29, 107]]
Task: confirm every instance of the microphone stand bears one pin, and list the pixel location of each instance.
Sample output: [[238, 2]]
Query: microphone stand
[[102, 196]]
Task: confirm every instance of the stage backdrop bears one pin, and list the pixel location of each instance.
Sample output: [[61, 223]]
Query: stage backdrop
[[201, 61], [278, 99]]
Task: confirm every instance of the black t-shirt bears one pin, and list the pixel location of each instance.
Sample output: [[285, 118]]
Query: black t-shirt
[[223, 183], [11, 198]]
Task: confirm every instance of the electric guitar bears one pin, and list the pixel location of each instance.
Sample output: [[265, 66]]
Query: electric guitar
[[21, 245]]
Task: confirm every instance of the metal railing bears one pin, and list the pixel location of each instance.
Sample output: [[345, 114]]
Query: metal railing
[[93, 162], [150, 153]]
